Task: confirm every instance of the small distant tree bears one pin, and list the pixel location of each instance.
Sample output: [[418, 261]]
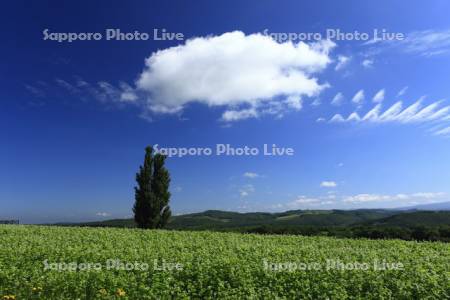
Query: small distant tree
[[151, 207]]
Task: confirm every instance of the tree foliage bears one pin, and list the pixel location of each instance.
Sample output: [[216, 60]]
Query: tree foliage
[[151, 208]]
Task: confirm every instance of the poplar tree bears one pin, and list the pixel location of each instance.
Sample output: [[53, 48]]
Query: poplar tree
[[151, 208]]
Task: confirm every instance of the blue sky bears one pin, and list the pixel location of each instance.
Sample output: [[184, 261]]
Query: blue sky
[[368, 121]]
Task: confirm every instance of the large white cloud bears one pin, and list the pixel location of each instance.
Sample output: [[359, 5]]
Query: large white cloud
[[232, 70]]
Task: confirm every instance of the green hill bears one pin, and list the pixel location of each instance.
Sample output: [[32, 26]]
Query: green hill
[[417, 218], [216, 219], [362, 223], [213, 219]]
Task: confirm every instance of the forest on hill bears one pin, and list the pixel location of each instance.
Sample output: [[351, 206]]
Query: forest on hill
[[363, 223]]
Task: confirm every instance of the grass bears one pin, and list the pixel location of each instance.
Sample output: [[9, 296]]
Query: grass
[[213, 265]]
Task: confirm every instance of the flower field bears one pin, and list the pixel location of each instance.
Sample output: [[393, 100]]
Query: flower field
[[39, 262]]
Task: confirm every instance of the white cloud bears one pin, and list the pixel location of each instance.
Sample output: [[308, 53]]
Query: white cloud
[[337, 118], [246, 190], [353, 117], [415, 113], [443, 132], [320, 120], [237, 115], [441, 113], [304, 200], [402, 91], [367, 63], [162, 109], [66, 85], [337, 99], [248, 75], [372, 114], [251, 175], [426, 43], [362, 198], [391, 113], [328, 184], [295, 102], [428, 195], [233, 69], [366, 198], [300, 202], [102, 91], [326, 202], [358, 98], [342, 61], [37, 92], [408, 113], [316, 102], [108, 90], [128, 94], [426, 113], [379, 96], [103, 214]]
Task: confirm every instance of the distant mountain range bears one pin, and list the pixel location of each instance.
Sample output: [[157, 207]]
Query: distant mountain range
[[421, 215], [432, 206]]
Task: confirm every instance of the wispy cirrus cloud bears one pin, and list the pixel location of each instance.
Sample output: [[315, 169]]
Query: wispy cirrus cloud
[[35, 91], [342, 62], [367, 63], [379, 96], [402, 91], [425, 43], [338, 99], [358, 98], [67, 86], [398, 113], [443, 132], [101, 91], [337, 118]]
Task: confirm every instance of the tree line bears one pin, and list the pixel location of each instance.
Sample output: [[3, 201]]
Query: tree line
[[416, 233]]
